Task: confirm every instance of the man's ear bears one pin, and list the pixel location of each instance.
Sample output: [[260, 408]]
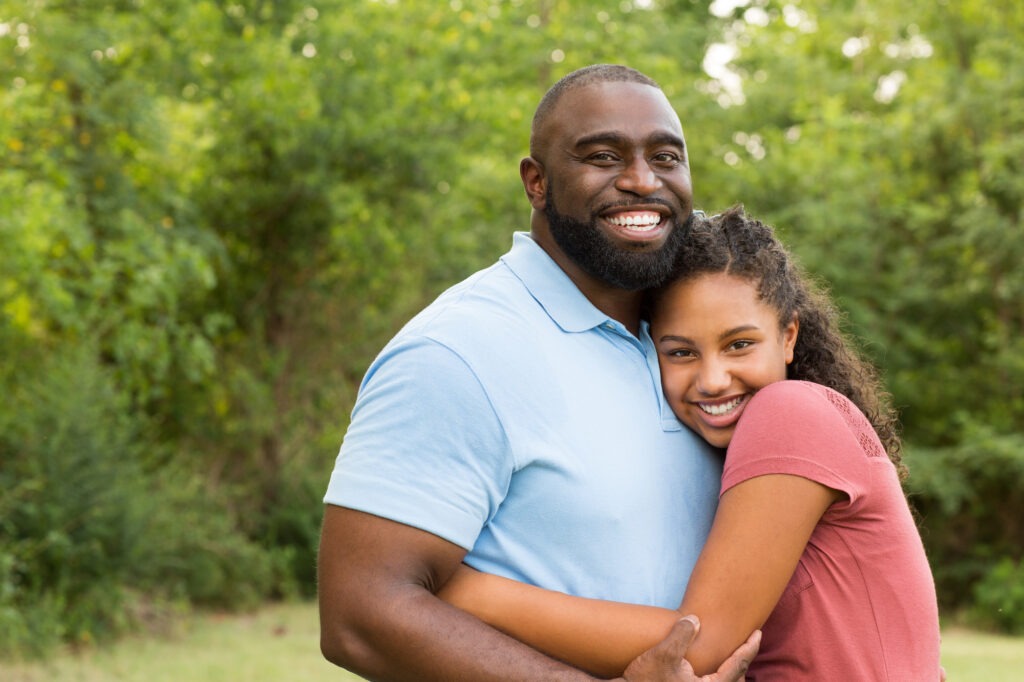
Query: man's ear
[[534, 182]]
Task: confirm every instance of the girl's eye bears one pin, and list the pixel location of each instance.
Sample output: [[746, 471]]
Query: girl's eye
[[740, 345], [680, 353]]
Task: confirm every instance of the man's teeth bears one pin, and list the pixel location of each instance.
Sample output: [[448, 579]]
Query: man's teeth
[[643, 220], [721, 408]]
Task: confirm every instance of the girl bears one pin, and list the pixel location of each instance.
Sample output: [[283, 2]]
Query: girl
[[813, 540]]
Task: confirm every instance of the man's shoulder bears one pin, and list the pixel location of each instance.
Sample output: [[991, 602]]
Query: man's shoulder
[[492, 303]]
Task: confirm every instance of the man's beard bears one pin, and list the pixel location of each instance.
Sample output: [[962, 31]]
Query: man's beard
[[598, 256]]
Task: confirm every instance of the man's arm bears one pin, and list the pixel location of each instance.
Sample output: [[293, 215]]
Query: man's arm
[[379, 616]]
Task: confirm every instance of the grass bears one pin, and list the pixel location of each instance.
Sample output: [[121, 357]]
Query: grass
[[280, 644], [276, 644], [970, 656]]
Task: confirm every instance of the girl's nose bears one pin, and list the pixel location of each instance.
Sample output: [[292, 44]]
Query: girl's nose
[[714, 378]]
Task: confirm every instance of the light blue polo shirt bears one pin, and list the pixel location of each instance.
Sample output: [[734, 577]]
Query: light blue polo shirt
[[515, 419]]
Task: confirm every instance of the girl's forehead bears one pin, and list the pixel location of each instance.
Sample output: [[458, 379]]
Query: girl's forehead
[[713, 296], [705, 284]]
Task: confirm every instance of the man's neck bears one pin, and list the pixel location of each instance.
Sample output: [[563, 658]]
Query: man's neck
[[621, 305]]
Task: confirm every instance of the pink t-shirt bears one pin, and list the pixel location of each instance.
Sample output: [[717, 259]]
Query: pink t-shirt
[[861, 604]]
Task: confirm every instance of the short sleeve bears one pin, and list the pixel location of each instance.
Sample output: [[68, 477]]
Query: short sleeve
[[424, 447], [791, 427]]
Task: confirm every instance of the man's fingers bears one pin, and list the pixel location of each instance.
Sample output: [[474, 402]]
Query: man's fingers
[[736, 665], [665, 661], [680, 637]]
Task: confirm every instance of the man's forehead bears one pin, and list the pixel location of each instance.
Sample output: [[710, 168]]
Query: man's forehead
[[614, 107]]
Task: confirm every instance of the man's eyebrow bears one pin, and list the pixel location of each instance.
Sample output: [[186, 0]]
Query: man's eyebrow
[[609, 138], [667, 138], [613, 138]]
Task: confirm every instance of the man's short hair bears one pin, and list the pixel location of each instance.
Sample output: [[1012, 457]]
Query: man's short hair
[[588, 75]]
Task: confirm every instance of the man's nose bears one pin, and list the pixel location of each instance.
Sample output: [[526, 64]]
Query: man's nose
[[638, 178]]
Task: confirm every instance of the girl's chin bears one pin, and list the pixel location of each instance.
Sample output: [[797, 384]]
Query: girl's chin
[[718, 438]]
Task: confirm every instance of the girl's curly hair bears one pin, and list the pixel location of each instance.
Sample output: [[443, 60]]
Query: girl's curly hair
[[739, 245]]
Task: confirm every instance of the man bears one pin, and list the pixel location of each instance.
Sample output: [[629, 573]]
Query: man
[[518, 424]]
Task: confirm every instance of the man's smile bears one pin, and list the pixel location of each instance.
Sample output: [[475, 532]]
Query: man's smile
[[634, 225]]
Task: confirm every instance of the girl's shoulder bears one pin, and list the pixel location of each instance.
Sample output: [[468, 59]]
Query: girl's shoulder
[[790, 392], [811, 404]]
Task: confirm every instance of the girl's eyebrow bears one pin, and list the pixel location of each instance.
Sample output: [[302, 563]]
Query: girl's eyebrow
[[724, 335], [738, 330]]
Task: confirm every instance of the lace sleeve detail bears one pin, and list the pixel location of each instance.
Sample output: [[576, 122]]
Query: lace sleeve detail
[[858, 424]]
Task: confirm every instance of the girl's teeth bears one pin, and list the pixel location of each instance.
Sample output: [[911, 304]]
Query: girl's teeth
[[721, 408]]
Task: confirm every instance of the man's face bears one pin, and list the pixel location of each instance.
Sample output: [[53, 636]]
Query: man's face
[[618, 196]]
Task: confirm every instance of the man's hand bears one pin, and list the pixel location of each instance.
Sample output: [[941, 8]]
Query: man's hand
[[666, 661]]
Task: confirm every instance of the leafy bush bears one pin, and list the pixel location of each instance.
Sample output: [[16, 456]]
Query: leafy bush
[[87, 526], [969, 498], [999, 597]]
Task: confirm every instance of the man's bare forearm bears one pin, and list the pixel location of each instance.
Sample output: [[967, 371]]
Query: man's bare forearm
[[419, 638], [379, 616]]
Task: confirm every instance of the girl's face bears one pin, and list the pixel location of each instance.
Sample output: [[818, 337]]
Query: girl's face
[[718, 344]]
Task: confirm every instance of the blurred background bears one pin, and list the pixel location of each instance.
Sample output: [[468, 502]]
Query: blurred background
[[213, 213]]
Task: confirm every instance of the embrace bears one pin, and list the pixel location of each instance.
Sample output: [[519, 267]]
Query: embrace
[[636, 447]]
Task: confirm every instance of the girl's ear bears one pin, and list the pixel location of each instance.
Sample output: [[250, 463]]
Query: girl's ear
[[789, 334]]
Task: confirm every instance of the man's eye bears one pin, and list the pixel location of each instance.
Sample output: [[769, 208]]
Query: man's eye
[[666, 158], [603, 157]]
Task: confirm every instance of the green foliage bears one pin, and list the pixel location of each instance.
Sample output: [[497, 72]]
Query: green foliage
[[69, 527], [999, 597], [969, 497], [86, 526], [214, 214]]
